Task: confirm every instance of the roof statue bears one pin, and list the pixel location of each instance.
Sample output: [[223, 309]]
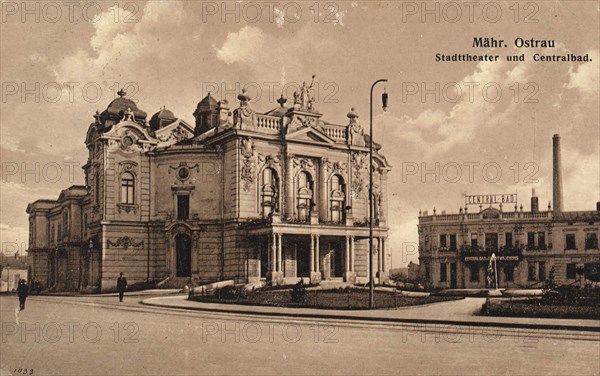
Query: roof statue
[[305, 98]]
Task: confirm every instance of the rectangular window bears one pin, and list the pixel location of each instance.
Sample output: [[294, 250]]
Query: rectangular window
[[508, 239], [570, 241], [531, 271], [491, 242], [541, 240], [97, 188], [453, 242], [572, 271], [541, 271], [591, 240], [592, 271], [474, 269], [59, 235], [443, 241], [427, 272], [31, 234], [443, 272], [183, 207], [474, 240], [530, 240], [509, 273]]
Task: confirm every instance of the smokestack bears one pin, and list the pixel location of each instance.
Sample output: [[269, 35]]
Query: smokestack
[[556, 175], [535, 205]]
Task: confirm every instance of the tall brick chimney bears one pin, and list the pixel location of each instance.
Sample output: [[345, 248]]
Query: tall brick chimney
[[557, 197], [535, 204]]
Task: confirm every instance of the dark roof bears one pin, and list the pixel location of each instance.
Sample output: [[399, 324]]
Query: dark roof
[[117, 108], [277, 111], [14, 261], [208, 104], [161, 119]]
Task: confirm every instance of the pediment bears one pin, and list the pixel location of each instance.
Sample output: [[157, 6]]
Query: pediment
[[310, 135], [175, 132]]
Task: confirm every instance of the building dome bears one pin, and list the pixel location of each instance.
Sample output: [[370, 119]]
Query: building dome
[[161, 119], [119, 107]]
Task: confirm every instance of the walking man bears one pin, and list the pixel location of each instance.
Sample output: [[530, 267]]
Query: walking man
[[121, 286], [22, 291]]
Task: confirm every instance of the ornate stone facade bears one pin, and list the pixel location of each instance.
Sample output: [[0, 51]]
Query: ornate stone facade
[[241, 195]]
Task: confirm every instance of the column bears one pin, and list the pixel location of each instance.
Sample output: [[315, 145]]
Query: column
[[273, 254], [382, 244], [347, 255], [312, 253], [289, 186], [379, 255], [279, 268], [317, 258], [352, 253], [323, 190]]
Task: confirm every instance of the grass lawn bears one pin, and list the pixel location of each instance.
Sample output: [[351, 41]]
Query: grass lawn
[[533, 308], [326, 299]]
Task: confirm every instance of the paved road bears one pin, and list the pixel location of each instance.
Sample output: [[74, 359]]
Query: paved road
[[98, 336]]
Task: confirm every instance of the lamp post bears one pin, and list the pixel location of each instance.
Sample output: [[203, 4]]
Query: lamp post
[[384, 98]]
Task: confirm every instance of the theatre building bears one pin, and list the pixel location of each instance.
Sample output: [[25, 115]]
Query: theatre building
[[240, 195], [455, 249]]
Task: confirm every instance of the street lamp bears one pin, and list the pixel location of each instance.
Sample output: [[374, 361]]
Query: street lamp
[[384, 100]]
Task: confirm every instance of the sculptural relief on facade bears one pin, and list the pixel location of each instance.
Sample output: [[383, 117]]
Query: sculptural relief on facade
[[249, 167], [358, 181]]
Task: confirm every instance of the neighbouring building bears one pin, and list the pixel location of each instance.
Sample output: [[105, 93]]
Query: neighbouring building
[[240, 195], [13, 268], [455, 249]]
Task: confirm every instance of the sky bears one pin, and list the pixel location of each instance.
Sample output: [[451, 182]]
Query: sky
[[452, 128]]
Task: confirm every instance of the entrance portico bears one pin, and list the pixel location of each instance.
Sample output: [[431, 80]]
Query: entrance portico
[[294, 252]]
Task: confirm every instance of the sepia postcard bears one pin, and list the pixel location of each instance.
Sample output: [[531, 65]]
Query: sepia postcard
[[299, 187]]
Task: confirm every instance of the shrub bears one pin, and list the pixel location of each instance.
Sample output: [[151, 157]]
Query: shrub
[[299, 292], [227, 292]]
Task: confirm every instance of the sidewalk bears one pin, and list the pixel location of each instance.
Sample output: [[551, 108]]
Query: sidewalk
[[159, 292], [458, 312]]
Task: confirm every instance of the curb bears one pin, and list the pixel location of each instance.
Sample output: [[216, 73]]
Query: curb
[[593, 329]]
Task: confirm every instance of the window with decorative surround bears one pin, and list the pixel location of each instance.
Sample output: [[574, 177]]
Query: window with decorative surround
[[304, 196], [337, 199], [127, 188], [269, 194]]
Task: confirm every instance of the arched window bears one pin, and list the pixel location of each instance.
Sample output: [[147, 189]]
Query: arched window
[[66, 222], [337, 199], [269, 194], [304, 196], [127, 188]]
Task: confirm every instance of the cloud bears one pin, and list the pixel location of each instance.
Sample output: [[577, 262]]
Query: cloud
[[585, 76], [11, 143], [245, 45]]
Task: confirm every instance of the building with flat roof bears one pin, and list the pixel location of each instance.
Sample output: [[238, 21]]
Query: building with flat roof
[[240, 195], [455, 249]]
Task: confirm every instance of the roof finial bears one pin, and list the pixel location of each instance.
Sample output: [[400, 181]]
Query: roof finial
[[122, 92]]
